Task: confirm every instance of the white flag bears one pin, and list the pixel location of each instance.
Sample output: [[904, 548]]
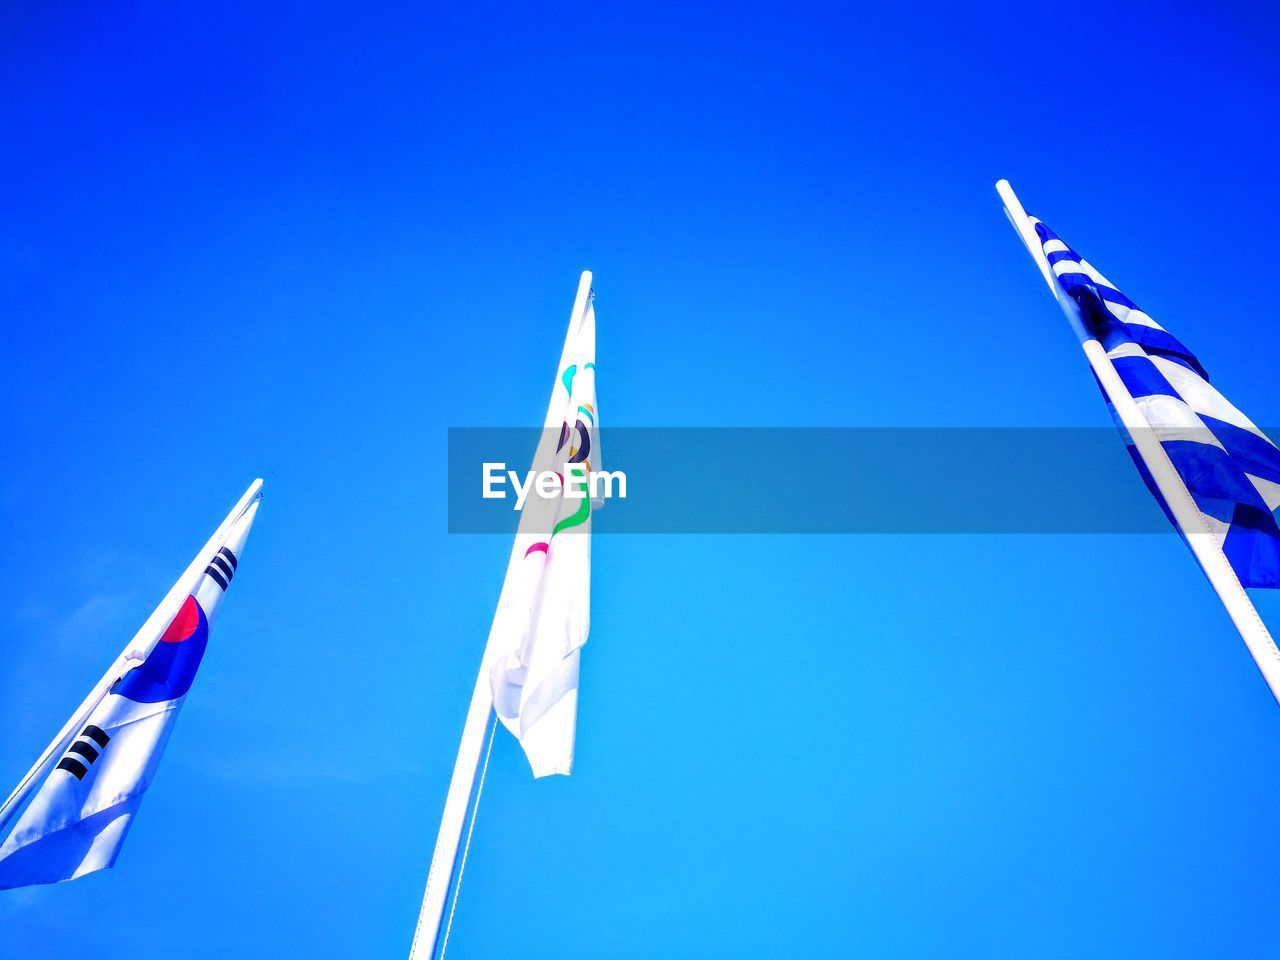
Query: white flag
[[78, 819], [544, 613]]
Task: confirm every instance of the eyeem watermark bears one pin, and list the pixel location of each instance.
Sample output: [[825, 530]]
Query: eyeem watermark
[[784, 480], [574, 483]]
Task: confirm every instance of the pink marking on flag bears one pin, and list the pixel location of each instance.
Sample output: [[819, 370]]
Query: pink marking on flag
[[183, 624]]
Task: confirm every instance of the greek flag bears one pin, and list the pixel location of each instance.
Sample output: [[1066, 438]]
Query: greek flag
[[1229, 466]]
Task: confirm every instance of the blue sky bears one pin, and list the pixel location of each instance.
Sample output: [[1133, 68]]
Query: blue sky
[[302, 242]]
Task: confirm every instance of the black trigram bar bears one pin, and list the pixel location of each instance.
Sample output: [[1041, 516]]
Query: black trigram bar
[[223, 567], [73, 767], [214, 572], [84, 750], [78, 768]]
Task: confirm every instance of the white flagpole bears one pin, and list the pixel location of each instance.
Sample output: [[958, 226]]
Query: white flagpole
[[130, 657], [427, 933], [1206, 549]]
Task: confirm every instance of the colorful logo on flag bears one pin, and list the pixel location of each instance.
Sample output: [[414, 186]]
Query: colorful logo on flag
[[167, 672]]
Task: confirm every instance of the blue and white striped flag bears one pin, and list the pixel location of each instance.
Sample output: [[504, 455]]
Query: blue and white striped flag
[[1229, 466]]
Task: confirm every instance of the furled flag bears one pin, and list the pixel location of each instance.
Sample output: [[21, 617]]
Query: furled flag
[[1229, 466], [108, 754], [544, 612]]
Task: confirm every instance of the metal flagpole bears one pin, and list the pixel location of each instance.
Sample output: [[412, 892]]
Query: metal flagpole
[[130, 657], [453, 818], [427, 932], [1206, 549]]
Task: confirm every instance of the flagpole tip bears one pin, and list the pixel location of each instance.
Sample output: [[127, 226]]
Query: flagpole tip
[[1012, 205]]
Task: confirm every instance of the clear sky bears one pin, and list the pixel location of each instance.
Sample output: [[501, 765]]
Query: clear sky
[[301, 241]]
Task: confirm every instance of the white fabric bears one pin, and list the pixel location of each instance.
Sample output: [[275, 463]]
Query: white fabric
[[543, 616], [1202, 396], [1269, 491], [76, 826]]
